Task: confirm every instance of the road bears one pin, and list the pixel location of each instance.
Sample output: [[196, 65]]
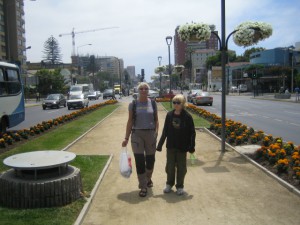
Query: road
[[281, 119], [36, 114]]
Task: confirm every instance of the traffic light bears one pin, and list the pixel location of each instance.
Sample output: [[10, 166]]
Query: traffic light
[[254, 76], [142, 75]]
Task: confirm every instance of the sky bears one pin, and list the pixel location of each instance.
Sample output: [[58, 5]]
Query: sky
[[144, 24]]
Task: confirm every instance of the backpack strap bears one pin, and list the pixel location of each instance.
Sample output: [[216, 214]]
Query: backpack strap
[[154, 106], [133, 111]]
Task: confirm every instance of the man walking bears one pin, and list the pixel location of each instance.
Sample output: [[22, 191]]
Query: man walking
[[297, 92]]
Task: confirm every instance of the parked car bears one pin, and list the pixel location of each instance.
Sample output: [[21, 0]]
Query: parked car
[[108, 93], [78, 101], [192, 94], [202, 98], [93, 95], [54, 101], [153, 94]]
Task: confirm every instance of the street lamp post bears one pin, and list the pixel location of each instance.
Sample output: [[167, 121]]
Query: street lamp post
[[169, 41], [292, 78], [159, 63], [223, 43]]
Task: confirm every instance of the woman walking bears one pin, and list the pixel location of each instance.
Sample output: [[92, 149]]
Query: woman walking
[[142, 125], [180, 133]]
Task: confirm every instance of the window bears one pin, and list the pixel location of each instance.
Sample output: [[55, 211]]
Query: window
[[1, 76], [13, 84], [12, 75], [2, 84]]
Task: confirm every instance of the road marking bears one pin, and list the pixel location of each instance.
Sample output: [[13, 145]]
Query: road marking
[[295, 124], [296, 113], [278, 120], [52, 111], [267, 117]]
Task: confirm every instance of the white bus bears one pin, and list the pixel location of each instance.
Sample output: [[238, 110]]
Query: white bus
[[12, 106]]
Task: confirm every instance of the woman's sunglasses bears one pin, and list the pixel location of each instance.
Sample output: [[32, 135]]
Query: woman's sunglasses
[[143, 89], [176, 103]]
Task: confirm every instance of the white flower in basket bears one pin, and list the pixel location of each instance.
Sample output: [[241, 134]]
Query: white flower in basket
[[196, 32], [160, 69], [250, 33], [178, 68]]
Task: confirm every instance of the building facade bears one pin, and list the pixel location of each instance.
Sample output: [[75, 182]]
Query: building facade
[[12, 33], [131, 72], [185, 52]]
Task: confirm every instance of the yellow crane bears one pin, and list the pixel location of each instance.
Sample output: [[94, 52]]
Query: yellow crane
[[73, 33]]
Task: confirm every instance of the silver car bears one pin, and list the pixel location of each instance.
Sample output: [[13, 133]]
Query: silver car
[[153, 94], [202, 98]]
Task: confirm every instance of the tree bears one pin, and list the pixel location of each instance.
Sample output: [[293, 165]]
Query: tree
[[52, 51], [50, 81], [249, 51]]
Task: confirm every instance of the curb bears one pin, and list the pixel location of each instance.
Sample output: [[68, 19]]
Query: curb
[[87, 205], [81, 136], [275, 100], [285, 184]]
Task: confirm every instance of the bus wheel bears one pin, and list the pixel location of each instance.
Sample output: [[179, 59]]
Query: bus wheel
[[3, 125]]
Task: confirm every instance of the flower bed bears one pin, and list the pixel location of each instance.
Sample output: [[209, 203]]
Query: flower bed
[[163, 99], [12, 137], [281, 158]]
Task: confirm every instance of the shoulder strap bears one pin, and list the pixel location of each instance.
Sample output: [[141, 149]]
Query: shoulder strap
[[154, 106], [133, 111]]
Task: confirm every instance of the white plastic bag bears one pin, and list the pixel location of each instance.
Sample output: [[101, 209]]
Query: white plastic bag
[[125, 163]]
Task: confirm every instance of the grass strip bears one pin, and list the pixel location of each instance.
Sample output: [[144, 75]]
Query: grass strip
[[60, 137], [198, 121], [90, 166]]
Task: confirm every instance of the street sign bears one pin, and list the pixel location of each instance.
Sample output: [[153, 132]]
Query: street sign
[[245, 75], [254, 82]]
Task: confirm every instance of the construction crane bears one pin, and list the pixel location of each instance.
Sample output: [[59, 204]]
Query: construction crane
[[73, 33]]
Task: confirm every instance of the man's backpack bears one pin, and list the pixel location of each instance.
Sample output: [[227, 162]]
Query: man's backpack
[[134, 110]]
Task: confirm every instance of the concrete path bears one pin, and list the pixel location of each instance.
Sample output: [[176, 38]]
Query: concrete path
[[221, 188]]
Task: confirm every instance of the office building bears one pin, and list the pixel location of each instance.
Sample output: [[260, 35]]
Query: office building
[[12, 32]]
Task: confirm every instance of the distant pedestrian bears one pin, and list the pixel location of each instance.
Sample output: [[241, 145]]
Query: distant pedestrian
[[113, 97], [142, 125], [287, 91], [297, 92], [179, 130], [37, 96]]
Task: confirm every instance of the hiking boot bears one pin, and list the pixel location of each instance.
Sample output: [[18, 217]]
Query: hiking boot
[[167, 189], [180, 191]]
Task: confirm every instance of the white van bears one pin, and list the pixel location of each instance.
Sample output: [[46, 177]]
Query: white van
[[243, 88], [79, 89]]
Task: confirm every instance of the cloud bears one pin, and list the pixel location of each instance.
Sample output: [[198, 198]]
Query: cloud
[[143, 25]]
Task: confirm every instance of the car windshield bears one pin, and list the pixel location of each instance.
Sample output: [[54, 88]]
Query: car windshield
[[76, 97], [75, 89], [52, 97], [108, 91], [92, 93], [205, 94]]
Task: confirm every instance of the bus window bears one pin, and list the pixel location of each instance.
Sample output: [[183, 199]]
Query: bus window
[[12, 75], [13, 84], [2, 84], [1, 76]]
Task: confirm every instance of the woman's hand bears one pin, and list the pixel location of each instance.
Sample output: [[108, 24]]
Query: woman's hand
[[124, 143]]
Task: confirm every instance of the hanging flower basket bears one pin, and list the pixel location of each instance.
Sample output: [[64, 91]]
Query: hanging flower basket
[[195, 32], [159, 69], [250, 33], [178, 68]]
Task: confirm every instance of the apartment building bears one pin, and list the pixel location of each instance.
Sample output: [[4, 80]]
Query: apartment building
[[12, 32]]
